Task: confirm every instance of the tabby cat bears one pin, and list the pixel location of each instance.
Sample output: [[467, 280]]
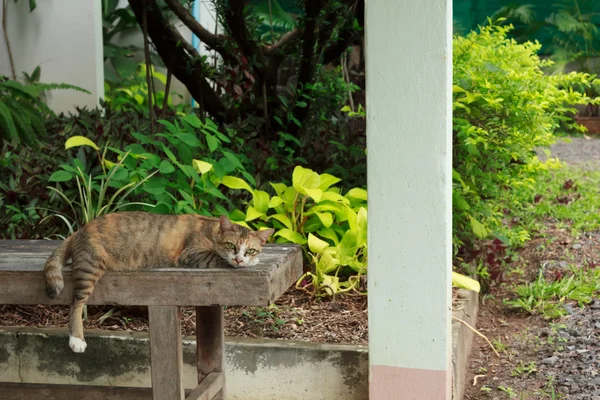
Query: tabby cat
[[128, 241]]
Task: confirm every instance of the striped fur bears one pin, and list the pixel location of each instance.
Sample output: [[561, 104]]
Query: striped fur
[[130, 241]]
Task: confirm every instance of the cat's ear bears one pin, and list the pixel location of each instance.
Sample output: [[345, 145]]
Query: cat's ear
[[264, 234], [225, 224]]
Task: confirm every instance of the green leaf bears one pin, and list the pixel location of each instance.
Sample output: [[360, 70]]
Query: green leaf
[[316, 245], [465, 282], [291, 236], [189, 138], [213, 142], [166, 167], [193, 120], [236, 183], [260, 200], [76, 141], [61, 176], [304, 178]]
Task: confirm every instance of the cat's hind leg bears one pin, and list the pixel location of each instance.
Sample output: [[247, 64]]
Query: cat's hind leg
[[86, 272]]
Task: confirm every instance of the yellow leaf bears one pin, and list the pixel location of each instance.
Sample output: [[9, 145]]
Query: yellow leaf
[[76, 141], [201, 166], [316, 245], [465, 282]]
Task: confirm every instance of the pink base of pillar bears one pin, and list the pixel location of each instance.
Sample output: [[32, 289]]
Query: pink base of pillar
[[395, 383]]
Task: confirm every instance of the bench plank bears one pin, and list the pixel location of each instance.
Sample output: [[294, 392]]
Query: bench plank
[[210, 350], [208, 388], [21, 280]]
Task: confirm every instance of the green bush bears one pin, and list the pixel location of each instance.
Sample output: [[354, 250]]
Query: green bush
[[176, 171], [504, 107]]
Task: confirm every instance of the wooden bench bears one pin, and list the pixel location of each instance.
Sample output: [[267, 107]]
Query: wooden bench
[[163, 291]]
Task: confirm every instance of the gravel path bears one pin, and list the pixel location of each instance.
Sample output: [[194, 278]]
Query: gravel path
[[580, 151], [577, 363]]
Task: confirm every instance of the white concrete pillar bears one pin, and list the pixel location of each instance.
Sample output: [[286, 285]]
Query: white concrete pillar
[[63, 37], [409, 108]]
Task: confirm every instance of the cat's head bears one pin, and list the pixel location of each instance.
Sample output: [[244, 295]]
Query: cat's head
[[239, 245]]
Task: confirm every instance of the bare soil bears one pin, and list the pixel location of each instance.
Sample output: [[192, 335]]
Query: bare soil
[[295, 316]]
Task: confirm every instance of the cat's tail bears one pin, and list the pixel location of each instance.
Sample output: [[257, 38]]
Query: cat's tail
[[54, 265]]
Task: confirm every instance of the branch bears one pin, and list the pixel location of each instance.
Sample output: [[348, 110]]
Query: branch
[[234, 17], [180, 57], [347, 35], [206, 37], [283, 41]]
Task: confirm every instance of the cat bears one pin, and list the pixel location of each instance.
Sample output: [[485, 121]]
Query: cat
[[129, 241]]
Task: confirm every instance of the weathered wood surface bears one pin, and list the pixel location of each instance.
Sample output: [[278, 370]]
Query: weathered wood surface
[[210, 350], [208, 388], [22, 282], [166, 355], [30, 391]]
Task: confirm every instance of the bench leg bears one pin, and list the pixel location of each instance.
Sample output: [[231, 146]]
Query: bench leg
[[209, 344], [166, 354]]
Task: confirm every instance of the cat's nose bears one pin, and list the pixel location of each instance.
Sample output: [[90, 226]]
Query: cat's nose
[[238, 260]]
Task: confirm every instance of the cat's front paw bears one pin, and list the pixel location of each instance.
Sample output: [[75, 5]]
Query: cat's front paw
[[76, 344]]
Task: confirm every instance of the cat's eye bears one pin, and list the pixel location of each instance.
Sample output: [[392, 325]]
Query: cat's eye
[[251, 251], [230, 246]]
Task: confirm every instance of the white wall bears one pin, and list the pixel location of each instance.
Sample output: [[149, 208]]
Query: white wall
[[64, 37], [409, 109]]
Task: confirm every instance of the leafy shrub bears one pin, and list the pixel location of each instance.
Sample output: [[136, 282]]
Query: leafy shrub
[[22, 112], [158, 173], [504, 107], [312, 212], [132, 93]]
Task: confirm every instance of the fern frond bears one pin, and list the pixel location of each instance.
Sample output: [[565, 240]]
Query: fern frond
[[25, 118], [9, 129]]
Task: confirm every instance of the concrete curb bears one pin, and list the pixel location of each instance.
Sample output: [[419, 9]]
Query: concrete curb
[[255, 369], [462, 339]]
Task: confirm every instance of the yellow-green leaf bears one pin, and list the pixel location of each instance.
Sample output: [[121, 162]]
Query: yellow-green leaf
[[275, 201], [316, 245], [326, 218], [361, 227], [260, 200], [304, 178], [315, 194], [109, 164], [291, 236], [201, 167], [327, 180], [283, 219], [253, 213], [478, 228], [465, 282], [279, 188], [236, 183], [357, 193], [76, 141], [332, 196]]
